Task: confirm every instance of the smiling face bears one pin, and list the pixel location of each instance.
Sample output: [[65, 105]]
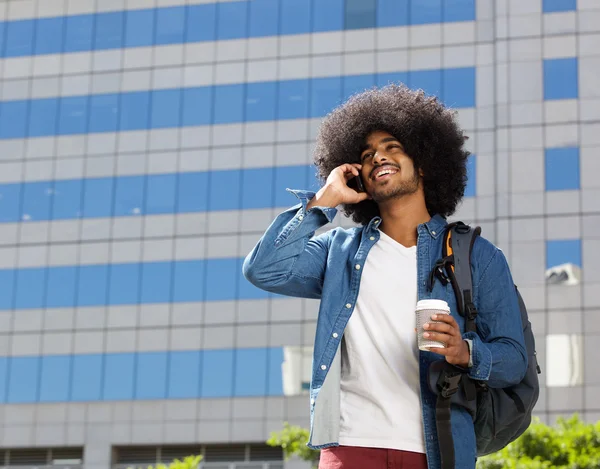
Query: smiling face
[[387, 171]]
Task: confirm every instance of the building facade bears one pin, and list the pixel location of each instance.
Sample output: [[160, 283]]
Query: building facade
[[145, 145]]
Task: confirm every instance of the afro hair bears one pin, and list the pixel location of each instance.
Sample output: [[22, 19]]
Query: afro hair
[[428, 131]]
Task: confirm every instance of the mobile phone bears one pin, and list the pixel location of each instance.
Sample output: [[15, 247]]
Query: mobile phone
[[356, 184]]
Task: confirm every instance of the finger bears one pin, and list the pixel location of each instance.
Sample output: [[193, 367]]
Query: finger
[[432, 326], [440, 337], [363, 196], [446, 318]]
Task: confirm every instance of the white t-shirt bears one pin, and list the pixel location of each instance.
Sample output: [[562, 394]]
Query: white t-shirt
[[380, 389]]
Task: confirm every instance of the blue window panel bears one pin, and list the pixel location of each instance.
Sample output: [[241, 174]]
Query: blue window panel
[[42, 117], [357, 83], [328, 16], [201, 23], [260, 101], [225, 190], [73, 115], [37, 197], [326, 94], [197, 106], [119, 375], [61, 290], [78, 35], [19, 38], [129, 196], [86, 383], [160, 193], [251, 372], [560, 78], [184, 375], [293, 99], [471, 189], [425, 11], [232, 20], [151, 375], [221, 276], [104, 116], [3, 378], [13, 119], [563, 251], [135, 110], [551, 6], [31, 288], [459, 87], [55, 378], [98, 197], [314, 183], [429, 81], [458, 10], [49, 35], [67, 199], [274, 374], [170, 25], [10, 202], [23, 381], [246, 290], [562, 169], [288, 177], [7, 285], [156, 282], [392, 13], [166, 108], [295, 16], [188, 281], [360, 14], [217, 373], [264, 15], [92, 285], [192, 192], [124, 284], [384, 79], [229, 102], [257, 188], [139, 27], [109, 30]]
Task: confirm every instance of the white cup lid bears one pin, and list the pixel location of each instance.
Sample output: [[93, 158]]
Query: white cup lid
[[433, 304]]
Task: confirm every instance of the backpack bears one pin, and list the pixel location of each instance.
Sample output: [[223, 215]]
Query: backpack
[[500, 415]]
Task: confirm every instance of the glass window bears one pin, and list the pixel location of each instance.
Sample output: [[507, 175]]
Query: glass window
[[201, 22], [296, 369], [139, 27], [221, 278], [314, 183], [98, 197], [86, 384], [425, 11], [328, 16], [129, 195], [160, 193], [562, 169], [188, 281], [109, 30], [392, 13], [288, 177], [563, 251], [564, 360], [197, 106], [184, 375], [37, 200], [251, 372], [31, 286], [471, 189], [7, 282], [23, 379], [92, 285], [192, 193], [217, 373], [260, 101], [134, 110], [73, 115], [274, 366], [326, 94], [551, 6], [103, 112], [560, 78], [49, 35], [66, 199], [246, 290], [10, 202], [232, 20], [356, 83], [19, 38], [166, 108], [42, 117], [61, 286], [55, 378], [119, 375], [13, 119], [3, 377], [293, 99], [225, 190], [263, 18], [78, 34], [156, 282], [229, 102], [295, 16], [429, 81], [459, 87], [458, 10], [170, 25], [257, 188], [151, 376], [384, 79], [360, 14], [124, 284]]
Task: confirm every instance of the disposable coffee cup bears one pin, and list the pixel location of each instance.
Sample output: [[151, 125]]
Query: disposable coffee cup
[[425, 309]]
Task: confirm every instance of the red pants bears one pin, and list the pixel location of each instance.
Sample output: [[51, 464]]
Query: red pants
[[352, 457]]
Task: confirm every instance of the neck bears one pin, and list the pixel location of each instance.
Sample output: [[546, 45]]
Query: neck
[[401, 217]]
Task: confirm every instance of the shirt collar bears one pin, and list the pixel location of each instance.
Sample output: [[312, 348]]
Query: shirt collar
[[435, 226]]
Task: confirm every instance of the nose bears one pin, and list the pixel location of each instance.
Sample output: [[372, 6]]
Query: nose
[[379, 158]]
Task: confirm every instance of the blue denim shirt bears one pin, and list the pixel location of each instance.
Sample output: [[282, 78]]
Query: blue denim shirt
[[290, 260]]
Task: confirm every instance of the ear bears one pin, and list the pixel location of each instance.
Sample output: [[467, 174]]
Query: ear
[[421, 172]]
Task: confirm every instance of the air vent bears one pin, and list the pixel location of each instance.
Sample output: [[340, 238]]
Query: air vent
[[265, 453], [137, 454], [225, 453]]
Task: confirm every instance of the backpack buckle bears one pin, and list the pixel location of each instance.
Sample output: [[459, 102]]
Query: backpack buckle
[[448, 383]]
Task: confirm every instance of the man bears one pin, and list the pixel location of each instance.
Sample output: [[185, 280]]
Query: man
[[371, 407]]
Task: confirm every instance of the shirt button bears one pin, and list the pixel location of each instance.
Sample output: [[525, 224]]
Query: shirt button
[[348, 305], [357, 266], [323, 367], [312, 402], [335, 335], [372, 238], [433, 233], [300, 217]]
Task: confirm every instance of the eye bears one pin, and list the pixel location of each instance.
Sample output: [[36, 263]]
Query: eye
[[365, 156], [393, 145]]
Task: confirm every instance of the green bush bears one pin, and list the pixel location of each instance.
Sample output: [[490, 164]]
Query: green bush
[[292, 439], [191, 462]]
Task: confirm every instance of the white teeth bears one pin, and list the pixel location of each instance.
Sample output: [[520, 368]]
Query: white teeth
[[385, 171]]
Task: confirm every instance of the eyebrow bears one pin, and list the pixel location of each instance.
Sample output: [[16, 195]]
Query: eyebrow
[[366, 146]]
